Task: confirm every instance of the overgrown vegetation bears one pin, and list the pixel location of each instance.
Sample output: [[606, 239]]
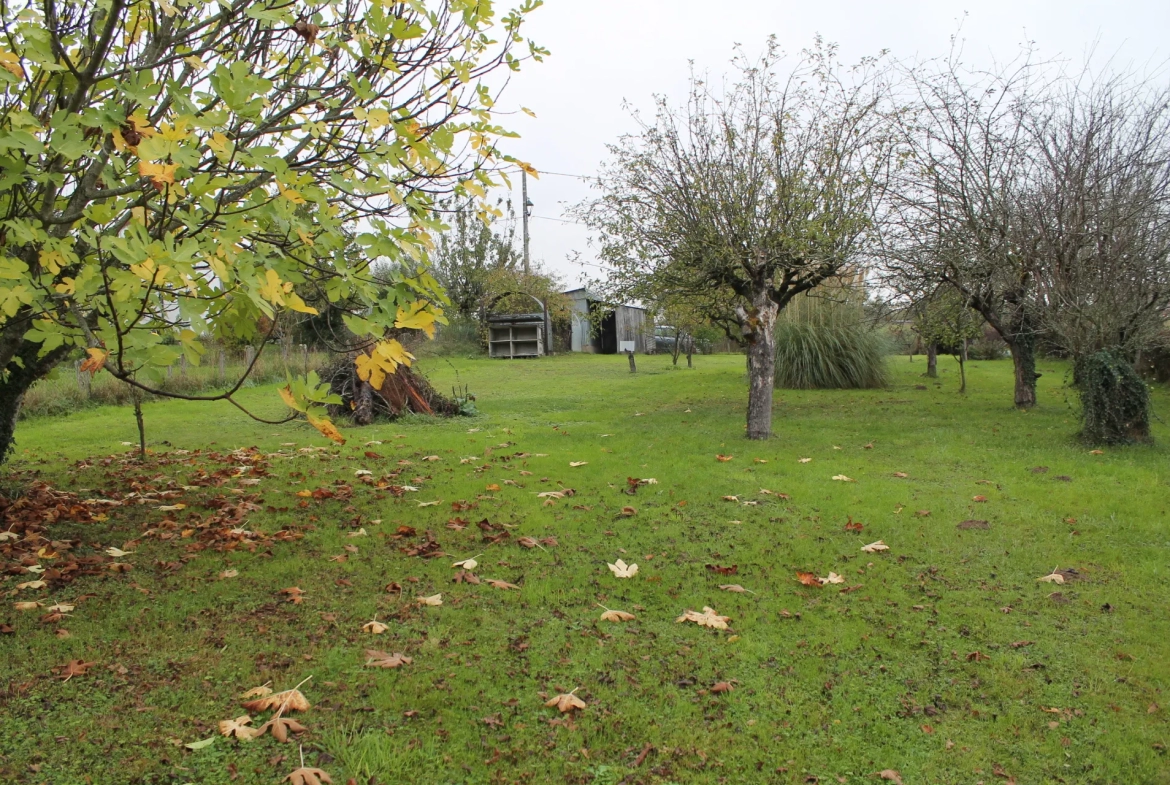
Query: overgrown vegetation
[[944, 658], [1115, 401]]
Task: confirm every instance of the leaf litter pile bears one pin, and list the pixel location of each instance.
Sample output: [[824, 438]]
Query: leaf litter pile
[[484, 602]]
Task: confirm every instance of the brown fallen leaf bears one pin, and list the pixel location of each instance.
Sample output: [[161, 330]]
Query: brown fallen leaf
[[721, 570], [289, 700], [901, 475], [566, 702], [498, 584], [853, 526], [492, 487], [843, 478], [922, 513], [239, 728], [721, 687], [306, 775], [808, 579], [628, 512], [526, 542], [73, 668], [875, 547], [973, 524], [735, 587], [978, 498], [708, 618], [280, 727], [256, 692], [833, 578], [977, 656], [374, 627], [724, 458], [616, 615], [891, 775], [623, 570], [433, 600], [466, 577], [1053, 577], [381, 659]]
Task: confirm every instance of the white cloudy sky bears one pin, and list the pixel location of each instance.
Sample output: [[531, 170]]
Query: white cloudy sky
[[605, 52]]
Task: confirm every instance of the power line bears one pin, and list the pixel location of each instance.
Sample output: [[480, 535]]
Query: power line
[[558, 220]]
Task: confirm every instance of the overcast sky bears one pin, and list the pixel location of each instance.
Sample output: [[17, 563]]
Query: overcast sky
[[605, 52]]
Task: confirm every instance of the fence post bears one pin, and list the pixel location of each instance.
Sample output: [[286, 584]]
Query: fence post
[[182, 366], [305, 356], [222, 362], [633, 368]]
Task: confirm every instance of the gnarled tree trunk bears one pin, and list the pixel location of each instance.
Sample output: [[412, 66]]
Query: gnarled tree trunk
[[759, 329], [932, 360], [1024, 360], [23, 369]]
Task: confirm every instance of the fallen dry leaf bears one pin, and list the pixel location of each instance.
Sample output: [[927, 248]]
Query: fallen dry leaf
[[708, 618], [623, 570], [575, 464], [306, 775], [628, 512], [433, 600], [493, 487], [381, 659], [735, 587], [565, 702], [280, 727], [833, 578], [891, 775], [288, 700], [1053, 577], [901, 475], [466, 564], [808, 578], [73, 668], [875, 547], [256, 692], [978, 498], [843, 478], [724, 458], [117, 553], [374, 627], [229, 573], [721, 687], [498, 584], [803, 460], [238, 728], [617, 616]]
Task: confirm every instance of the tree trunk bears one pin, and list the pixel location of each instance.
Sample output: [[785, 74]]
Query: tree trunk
[[964, 351], [932, 360], [21, 373], [676, 348], [690, 350], [760, 331], [1024, 360], [962, 374]]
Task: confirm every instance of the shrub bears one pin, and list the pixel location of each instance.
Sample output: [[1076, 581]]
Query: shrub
[[1115, 401], [830, 352]]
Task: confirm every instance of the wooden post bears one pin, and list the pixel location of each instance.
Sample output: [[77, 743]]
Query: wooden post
[[633, 368], [305, 357], [249, 355], [182, 366], [222, 365]]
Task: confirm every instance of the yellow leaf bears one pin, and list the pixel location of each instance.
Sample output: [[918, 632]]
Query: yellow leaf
[[292, 194], [529, 168], [53, 260], [708, 618], [159, 174], [419, 315], [195, 62], [327, 428], [95, 361], [11, 63], [395, 352], [297, 304], [220, 145], [138, 214], [370, 370], [306, 238], [272, 289], [289, 399]]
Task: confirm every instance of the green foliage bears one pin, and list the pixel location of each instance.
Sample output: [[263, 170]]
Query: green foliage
[[169, 172], [1115, 401], [824, 345]]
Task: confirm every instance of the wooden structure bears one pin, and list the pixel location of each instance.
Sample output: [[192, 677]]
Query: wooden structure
[[516, 335], [603, 328]]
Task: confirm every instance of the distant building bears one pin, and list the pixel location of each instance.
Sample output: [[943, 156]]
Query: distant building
[[603, 328]]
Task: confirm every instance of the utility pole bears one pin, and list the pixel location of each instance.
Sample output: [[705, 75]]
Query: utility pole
[[527, 205]]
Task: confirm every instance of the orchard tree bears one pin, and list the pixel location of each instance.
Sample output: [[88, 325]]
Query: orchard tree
[[747, 196], [172, 171], [959, 218], [946, 320]]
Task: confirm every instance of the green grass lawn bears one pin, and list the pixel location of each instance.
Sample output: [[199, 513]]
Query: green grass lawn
[[942, 658]]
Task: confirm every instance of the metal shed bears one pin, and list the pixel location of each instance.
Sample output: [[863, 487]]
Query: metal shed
[[603, 328]]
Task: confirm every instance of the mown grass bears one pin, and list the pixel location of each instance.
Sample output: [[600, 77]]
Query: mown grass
[[827, 685]]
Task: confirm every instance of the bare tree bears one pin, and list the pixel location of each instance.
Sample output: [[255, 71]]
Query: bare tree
[[1101, 211], [748, 196], [957, 215]]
